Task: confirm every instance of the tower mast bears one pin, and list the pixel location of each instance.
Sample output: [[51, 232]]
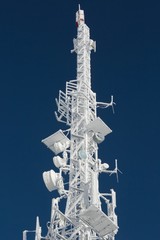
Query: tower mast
[[76, 157]]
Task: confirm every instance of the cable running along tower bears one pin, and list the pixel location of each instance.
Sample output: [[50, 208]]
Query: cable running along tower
[[76, 157]]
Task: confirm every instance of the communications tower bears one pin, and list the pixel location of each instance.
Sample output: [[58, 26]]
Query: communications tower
[[76, 157]]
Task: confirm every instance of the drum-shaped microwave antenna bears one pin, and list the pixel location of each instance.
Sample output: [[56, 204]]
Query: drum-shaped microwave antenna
[[98, 137], [50, 180], [59, 162], [104, 166]]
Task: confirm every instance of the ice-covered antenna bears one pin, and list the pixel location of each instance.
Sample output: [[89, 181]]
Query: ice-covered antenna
[[116, 170], [112, 104], [38, 230], [106, 105], [104, 168]]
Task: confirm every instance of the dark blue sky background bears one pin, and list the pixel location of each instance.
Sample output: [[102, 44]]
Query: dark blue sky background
[[35, 62]]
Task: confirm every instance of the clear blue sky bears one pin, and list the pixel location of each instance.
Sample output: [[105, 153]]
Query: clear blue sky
[[35, 62]]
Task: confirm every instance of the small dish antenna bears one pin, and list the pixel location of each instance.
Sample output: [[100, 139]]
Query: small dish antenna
[[59, 162], [98, 137], [104, 166]]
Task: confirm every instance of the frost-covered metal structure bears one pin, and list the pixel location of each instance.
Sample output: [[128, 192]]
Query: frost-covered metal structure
[[76, 157]]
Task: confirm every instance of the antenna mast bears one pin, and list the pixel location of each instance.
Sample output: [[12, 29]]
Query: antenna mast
[[76, 157]]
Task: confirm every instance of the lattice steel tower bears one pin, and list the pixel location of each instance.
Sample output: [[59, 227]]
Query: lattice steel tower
[[76, 157]]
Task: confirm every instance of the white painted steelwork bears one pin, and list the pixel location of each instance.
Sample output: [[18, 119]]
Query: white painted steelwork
[[83, 217]]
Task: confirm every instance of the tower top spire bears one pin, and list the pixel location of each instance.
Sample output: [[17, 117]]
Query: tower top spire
[[80, 16]]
